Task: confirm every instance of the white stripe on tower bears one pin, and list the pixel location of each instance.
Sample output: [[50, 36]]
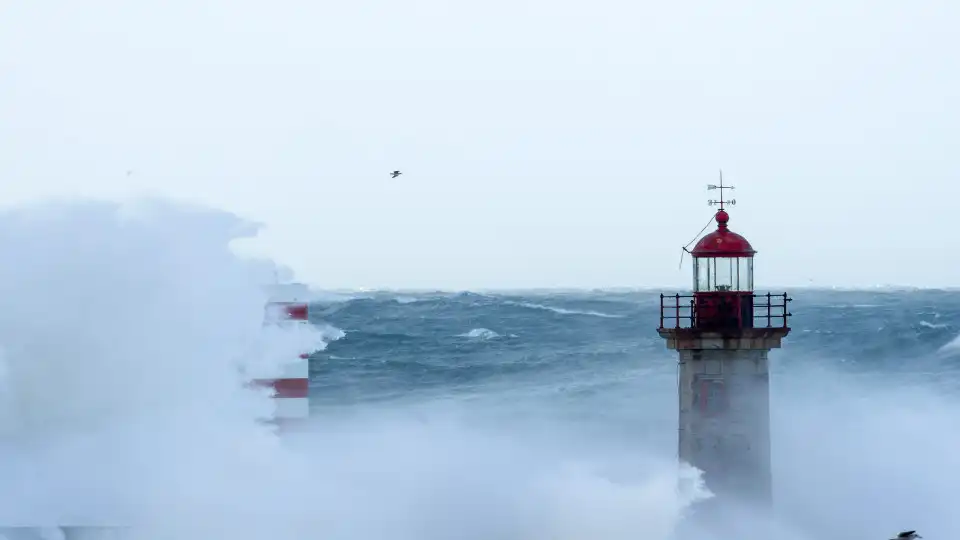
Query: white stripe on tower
[[293, 408], [300, 369]]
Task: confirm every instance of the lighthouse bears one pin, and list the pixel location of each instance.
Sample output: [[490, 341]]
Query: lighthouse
[[723, 333]]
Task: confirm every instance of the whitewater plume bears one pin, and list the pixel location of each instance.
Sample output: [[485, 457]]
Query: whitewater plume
[[127, 334]]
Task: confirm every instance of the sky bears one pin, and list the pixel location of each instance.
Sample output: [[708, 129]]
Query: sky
[[543, 143]]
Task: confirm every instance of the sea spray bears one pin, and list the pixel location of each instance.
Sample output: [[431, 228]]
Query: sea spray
[[127, 337], [125, 334]]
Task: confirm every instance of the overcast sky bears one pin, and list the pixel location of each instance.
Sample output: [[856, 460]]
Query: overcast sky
[[543, 143]]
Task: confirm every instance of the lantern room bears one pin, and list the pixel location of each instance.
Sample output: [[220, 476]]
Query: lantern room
[[722, 260], [723, 279], [723, 299]]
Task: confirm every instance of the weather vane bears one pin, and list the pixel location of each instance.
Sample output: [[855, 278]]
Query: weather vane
[[721, 187]]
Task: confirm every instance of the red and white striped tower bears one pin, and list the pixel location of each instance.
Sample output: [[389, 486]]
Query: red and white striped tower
[[291, 385]]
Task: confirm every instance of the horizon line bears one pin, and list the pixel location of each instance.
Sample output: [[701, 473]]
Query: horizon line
[[645, 288]]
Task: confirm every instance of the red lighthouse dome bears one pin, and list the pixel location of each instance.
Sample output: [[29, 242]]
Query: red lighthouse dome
[[723, 242]]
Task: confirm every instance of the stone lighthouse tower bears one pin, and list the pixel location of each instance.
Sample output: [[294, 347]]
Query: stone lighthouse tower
[[723, 333]]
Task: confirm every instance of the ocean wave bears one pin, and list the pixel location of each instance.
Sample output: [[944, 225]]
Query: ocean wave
[[564, 311], [480, 334], [931, 325]]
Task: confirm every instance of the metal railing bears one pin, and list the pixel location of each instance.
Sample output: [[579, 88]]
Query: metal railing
[[768, 310]]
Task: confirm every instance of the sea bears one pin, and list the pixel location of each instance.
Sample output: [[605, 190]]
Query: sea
[[462, 415], [864, 394]]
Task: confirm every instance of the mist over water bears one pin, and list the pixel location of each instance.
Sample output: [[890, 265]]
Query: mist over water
[[867, 456], [127, 333]]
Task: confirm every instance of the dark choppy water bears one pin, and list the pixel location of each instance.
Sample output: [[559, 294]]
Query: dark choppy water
[[860, 372], [398, 345]]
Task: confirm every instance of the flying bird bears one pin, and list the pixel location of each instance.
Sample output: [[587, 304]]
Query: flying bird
[[395, 174], [907, 535]]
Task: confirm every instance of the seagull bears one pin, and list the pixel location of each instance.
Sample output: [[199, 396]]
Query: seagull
[[907, 535], [395, 174]]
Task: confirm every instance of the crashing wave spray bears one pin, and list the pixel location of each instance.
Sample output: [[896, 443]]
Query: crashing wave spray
[[124, 332]]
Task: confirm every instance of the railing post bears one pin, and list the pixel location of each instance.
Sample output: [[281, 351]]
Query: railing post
[[769, 307], [692, 313], [785, 309], [676, 305], [661, 310]]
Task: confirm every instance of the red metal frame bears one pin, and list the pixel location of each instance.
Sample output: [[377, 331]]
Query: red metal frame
[[681, 310]]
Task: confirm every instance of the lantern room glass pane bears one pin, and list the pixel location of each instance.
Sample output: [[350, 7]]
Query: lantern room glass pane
[[701, 274], [723, 274]]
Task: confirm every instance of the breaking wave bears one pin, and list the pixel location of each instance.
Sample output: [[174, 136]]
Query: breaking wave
[[564, 311], [125, 334], [480, 333]]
